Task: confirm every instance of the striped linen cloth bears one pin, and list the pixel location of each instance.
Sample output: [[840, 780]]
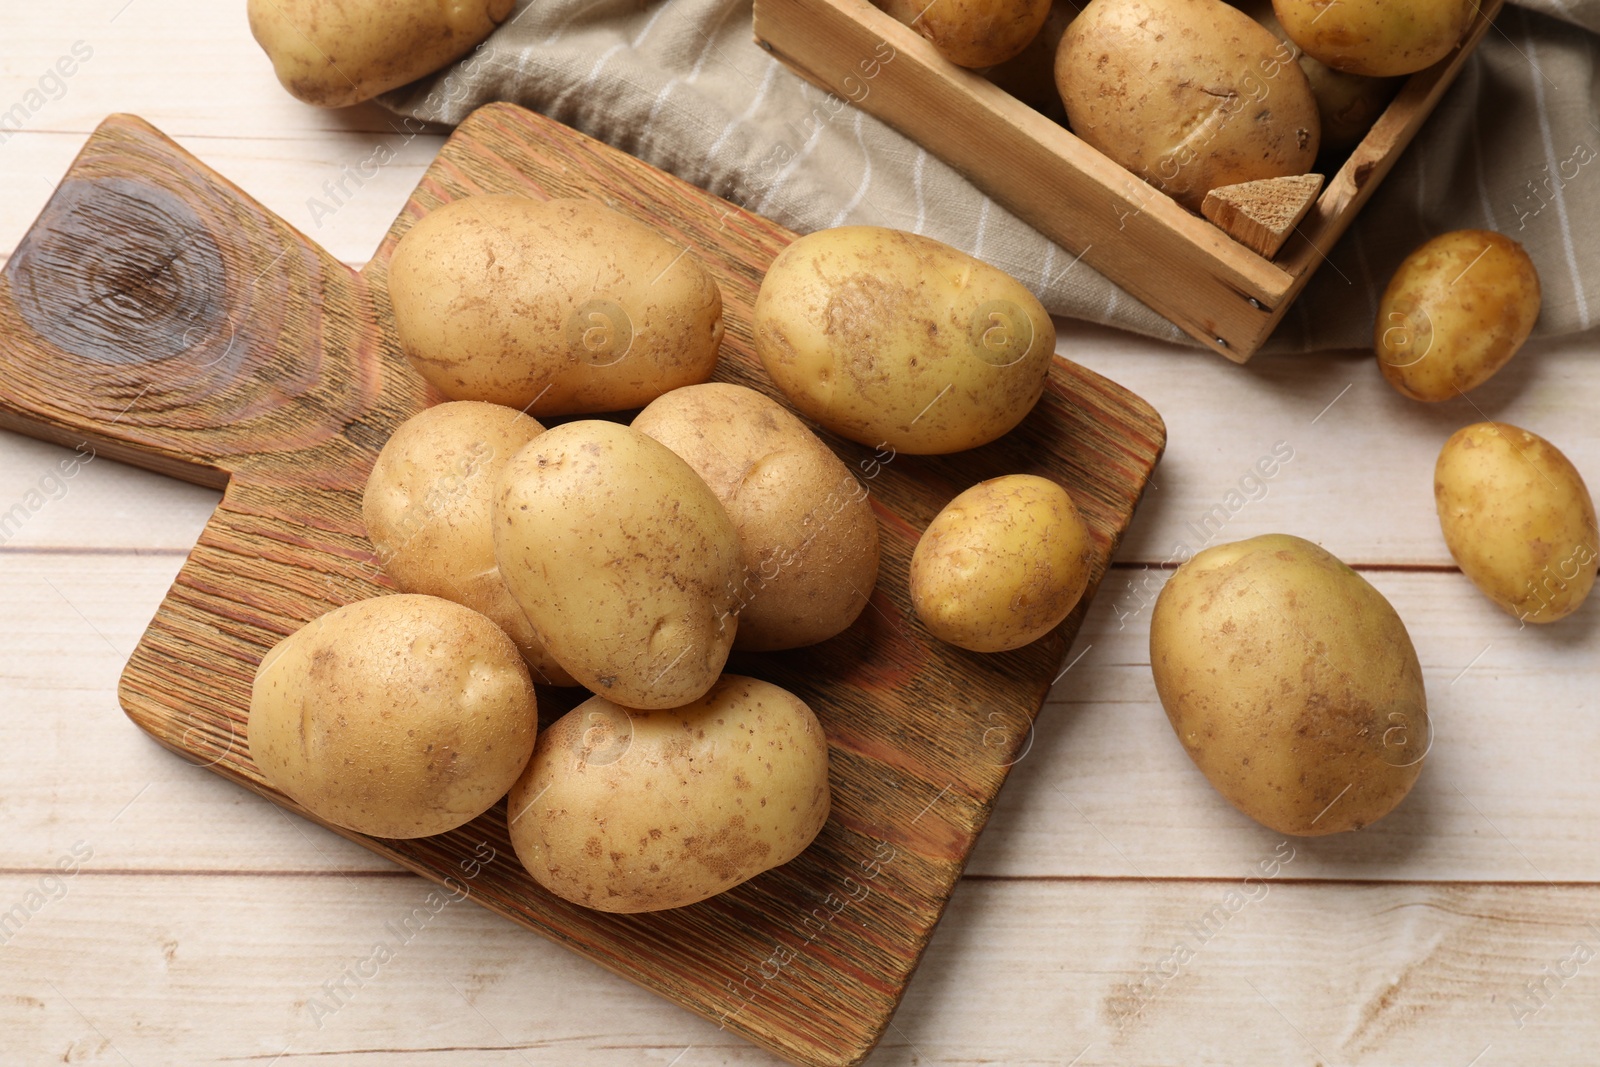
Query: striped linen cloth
[[1514, 146]]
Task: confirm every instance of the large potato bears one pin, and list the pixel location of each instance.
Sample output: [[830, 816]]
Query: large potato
[[622, 559], [805, 523], [639, 812], [1378, 38], [1188, 94], [553, 307], [429, 510], [400, 716], [1292, 684], [1002, 564], [899, 341], [973, 33], [334, 53], [1455, 311], [1518, 519]]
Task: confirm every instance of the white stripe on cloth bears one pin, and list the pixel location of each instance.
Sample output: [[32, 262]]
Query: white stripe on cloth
[[1555, 169]]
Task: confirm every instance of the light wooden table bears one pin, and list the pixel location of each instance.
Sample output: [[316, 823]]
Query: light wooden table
[[202, 925]]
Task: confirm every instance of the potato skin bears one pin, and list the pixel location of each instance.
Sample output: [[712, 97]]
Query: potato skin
[[555, 307], [335, 53], [973, 33], [400, 716], [1455, 311], [1002, 564], [1187, 94], [623, 561], [429, 511], [805, 523], [1378, 38], [897, 340], [1518, 519], [650, 810], [1291, 683]]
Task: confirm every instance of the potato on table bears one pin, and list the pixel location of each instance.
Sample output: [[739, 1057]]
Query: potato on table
[[896, 340], [1292, 684], [1376, 37], [334, 53], [805, 523], [1002, 564], [639, 811], [400, 716], [1457, 309], [622, 559], [553, 307], [429, 509], [1518, 519], [1187, 94]]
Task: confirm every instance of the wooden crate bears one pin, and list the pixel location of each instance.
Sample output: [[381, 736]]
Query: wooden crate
[[1184, 267]]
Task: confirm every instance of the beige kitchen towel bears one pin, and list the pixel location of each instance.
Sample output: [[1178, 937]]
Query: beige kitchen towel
[[1514, 146]]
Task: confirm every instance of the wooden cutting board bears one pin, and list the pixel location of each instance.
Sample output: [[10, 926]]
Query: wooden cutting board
[[159, 315]]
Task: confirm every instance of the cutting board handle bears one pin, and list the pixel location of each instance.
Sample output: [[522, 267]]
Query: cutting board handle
[[157, 313]]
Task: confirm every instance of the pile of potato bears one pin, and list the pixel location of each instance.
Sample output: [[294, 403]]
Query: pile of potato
[[632, 558], [1192, 95]]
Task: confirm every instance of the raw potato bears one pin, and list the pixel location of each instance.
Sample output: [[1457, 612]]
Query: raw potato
[[809, 538], [1455, 311], [1378, 38], [334, 53], [973, 33], [639, 812], [1187, 94], [1002, 564], [554, 307], [429, 510], [623, 561], [1518, 519], [900, 342], [1292, 684], [401, 716]]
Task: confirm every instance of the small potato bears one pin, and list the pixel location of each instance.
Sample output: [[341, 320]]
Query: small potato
[[973, 33], [1455, 311], [401, 716], [1187, 94], [898, 341], [1291, 683], [623, 561], [1518, 519], [429, 511], [1378, 38], [805, 523], [334, 53], [631, 812], [554, 307], [1002, 564]]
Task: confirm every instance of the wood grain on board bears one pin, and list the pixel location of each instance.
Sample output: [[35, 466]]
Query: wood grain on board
[[158, 315]]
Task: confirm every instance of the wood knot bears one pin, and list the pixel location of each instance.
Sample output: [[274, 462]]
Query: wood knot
[[117, 271]]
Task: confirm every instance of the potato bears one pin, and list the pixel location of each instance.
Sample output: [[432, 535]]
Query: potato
[[623, 561], [554, 307], [1187, 94], [1030, 75], [1002, 564], [1378, 38], [1455, 311], [334, 53], [898, 341], [1348, 104], [973, 33], [1292, 684], [400, 716], [1518, 519], [805, 524], [638, 812], [429, 511]]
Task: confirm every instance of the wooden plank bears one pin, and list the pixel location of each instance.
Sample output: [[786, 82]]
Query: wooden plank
[[259, 363]]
